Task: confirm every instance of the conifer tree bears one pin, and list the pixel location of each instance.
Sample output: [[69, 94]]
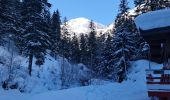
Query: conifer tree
[[123, 7], [65, 41], [138, 2], [92, 46], [83, 49], [106, 68], [75, 55], [9, 19], [100, 44], [124, 43], [36, 28], [55, 32]]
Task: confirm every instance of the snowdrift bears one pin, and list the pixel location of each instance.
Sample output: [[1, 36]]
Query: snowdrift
[[134, 88], [150, 20]]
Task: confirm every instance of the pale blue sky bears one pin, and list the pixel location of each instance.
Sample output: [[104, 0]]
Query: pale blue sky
[[102, 11]]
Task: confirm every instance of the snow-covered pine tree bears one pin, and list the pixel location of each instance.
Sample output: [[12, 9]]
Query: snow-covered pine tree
[[123, 6], [45, 29], [9, 19], [100, 44], [65, 49], [119, 22], [163, 4], [75, 55], [36, 30], [92, 46], [106, 67], [55, 33], [83, 49], [124, 43], [157, 4], [138, 2]]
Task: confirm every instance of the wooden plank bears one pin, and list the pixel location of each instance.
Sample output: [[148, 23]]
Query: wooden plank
[[158, 86], [152, 78], [157, 71], [158, 94], [158, 83]]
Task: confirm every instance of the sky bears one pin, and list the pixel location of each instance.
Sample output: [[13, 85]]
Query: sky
[[102, 11]]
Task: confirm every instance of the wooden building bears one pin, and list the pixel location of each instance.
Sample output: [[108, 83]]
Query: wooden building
[[155, 29]]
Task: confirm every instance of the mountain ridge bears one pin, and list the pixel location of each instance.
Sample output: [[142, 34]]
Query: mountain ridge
[[80, 26]]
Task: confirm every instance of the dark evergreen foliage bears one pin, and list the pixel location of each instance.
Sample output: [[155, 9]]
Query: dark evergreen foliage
[[9, 19], [83, 49], [123, 7], [92, 47], [75, 50], [36, 30], [138, 2], [65, 49], [55, 35], [124, 43], [106, 67]]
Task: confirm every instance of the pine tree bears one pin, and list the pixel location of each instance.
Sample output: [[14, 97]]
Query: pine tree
[[55, 32], [75, 55], [36, 28], [65, 41], [122, 16], [161, 4], [106, 68], [124, 43], [157, 4], [83, 49], [92, 46], [138, 2], [100, 44], [123, 7], [9, 19]]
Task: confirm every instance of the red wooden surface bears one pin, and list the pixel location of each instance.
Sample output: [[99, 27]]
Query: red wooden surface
[[161, 81], [158, 94], [158, 83]]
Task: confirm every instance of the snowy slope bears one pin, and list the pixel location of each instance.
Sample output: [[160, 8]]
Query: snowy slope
[[43, 78], [132, 89]]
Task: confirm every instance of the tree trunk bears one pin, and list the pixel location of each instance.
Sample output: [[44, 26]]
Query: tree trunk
[[30, 63]]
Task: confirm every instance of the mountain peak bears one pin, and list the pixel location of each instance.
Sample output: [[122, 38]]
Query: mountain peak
[[81, 25]]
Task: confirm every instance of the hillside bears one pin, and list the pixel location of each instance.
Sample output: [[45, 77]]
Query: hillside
[[44, 78], [134, 88]]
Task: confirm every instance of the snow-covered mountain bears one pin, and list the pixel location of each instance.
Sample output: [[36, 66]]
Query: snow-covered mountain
[[81, 26]]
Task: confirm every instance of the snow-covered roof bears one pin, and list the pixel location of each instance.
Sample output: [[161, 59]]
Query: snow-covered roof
[[153, 20]]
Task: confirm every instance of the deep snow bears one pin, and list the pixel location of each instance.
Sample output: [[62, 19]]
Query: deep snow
[[134, 88], [153, 19]]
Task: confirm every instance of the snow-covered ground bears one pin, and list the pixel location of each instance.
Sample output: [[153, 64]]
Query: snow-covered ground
[[44, 78], [134, 88]]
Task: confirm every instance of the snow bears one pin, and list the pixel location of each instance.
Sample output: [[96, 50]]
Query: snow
[[81, 26], [134, 88], [154, 19], [44, 78]]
